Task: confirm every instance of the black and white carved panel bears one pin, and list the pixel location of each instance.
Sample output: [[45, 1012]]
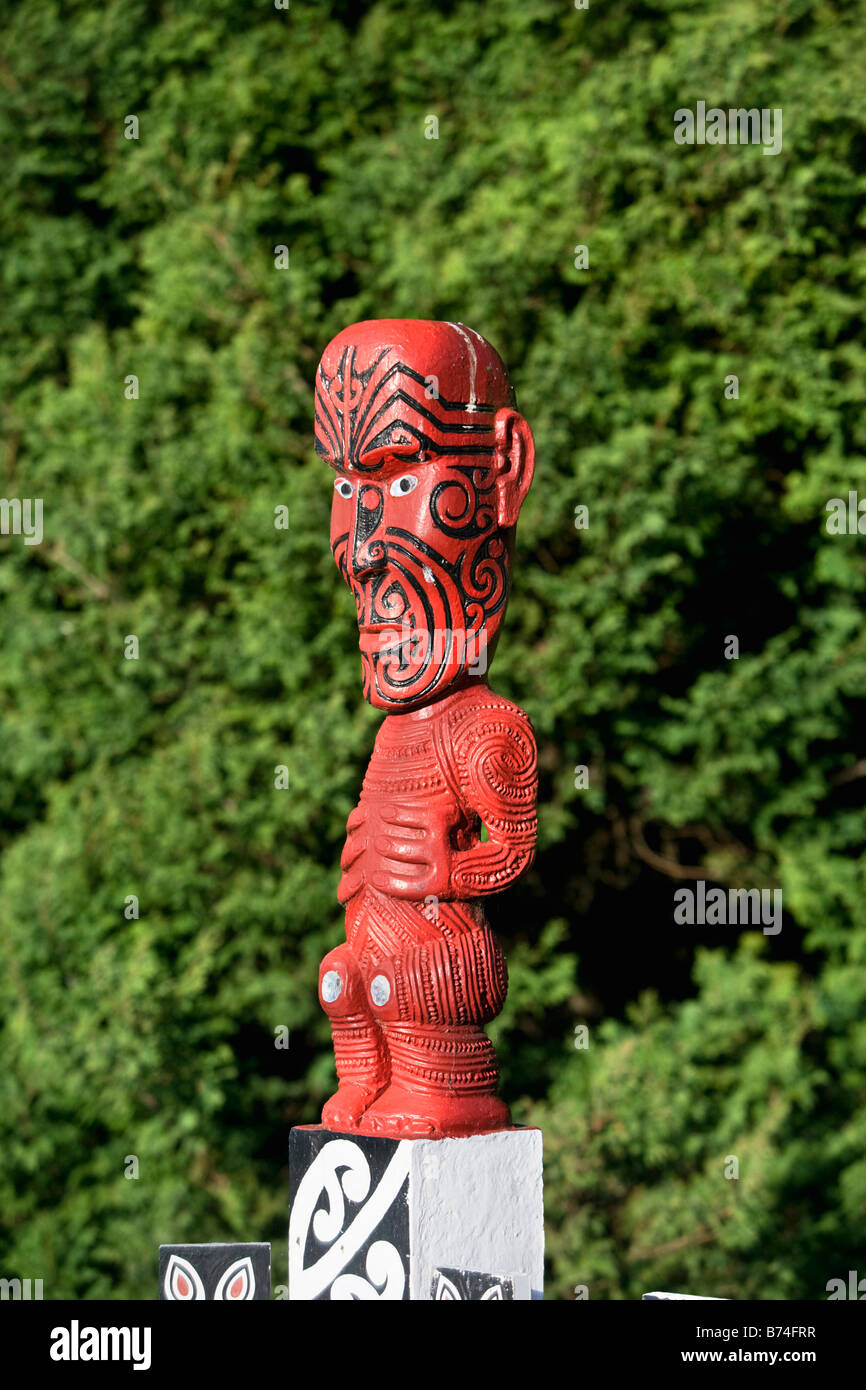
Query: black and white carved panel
[[225, 1273], [468, 1286], [349, 1222]]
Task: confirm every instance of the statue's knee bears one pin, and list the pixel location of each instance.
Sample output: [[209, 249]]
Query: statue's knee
[[381, 990], [430, 983], [341, 984]]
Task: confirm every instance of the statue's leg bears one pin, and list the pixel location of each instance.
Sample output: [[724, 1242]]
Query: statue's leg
[[359, 1045], [432, 1000]]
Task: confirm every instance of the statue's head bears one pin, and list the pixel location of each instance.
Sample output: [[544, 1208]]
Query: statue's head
[[432, 461]]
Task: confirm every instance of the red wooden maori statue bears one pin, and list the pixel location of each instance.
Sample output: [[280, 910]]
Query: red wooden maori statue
[[432, 463]]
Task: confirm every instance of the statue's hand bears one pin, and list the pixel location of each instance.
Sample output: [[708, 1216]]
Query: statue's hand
[[411, 855], [488, 868]]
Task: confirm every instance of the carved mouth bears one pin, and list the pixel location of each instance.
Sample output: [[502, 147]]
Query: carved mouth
[[376, 637]]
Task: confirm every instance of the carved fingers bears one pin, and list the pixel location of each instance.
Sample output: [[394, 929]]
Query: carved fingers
[[412, 856]]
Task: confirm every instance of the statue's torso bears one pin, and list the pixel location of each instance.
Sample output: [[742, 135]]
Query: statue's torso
[[410, 804]]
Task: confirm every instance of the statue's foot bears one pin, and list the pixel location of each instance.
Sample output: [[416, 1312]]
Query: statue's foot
[[403, 1114], [347, 1105]]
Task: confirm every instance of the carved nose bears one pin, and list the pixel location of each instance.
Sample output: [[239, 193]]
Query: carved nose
[[368, 550], [369, 561]]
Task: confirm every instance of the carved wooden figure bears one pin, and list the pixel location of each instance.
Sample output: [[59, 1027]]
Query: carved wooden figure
[[432, 461]]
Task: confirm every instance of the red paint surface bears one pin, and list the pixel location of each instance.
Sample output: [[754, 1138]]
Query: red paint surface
[[432, 462]]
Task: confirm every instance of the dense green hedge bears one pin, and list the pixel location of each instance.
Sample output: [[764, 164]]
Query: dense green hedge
[[261, 127]]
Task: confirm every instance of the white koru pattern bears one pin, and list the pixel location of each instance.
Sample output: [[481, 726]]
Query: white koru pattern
[[384, 1267]]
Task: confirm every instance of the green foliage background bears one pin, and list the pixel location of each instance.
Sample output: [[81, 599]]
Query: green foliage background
[[155, 256]]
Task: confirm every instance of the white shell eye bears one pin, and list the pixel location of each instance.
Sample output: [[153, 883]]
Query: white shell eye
[[402, 485], [344, 487]]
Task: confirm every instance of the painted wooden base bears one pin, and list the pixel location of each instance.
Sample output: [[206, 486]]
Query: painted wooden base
[[226, 1272], [377, 1218]]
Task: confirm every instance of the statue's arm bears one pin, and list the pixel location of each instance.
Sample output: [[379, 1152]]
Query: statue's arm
[[495, 759]]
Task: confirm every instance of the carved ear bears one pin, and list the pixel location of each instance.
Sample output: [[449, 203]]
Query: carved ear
[[238, 1284], [514, 462], [182, 1283]]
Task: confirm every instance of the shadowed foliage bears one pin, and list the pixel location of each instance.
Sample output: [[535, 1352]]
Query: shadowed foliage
[[154, 257]]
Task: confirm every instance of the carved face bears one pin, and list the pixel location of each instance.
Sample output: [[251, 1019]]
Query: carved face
[[431, 462]]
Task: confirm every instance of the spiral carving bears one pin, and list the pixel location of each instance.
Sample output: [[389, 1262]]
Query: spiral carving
[[497, 765], [461, 506]]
